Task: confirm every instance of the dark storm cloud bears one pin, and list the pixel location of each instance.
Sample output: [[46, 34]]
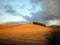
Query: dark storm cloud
[[51, 9], [36, 16]]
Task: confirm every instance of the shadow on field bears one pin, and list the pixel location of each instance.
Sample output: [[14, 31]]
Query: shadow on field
[[19, 43], [53, 39]]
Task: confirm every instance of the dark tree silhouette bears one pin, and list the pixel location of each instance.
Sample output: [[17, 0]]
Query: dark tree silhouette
[[37, 23]]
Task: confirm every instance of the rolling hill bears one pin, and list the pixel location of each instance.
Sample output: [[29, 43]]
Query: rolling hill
[[24, 34]]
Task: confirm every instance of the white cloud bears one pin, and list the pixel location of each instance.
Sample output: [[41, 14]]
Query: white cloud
[[53, 22], [10, 18]]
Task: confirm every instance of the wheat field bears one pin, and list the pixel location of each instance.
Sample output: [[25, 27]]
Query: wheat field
[[24, 34]]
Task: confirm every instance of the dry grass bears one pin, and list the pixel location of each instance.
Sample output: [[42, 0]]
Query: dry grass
[[24, 33]]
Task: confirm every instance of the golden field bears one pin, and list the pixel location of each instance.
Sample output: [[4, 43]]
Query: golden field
[[24, 34]]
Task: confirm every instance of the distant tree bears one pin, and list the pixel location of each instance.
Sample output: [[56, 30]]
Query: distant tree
[[37, 23]]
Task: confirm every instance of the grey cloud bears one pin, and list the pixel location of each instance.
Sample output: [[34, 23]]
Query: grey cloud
[[18, 22], [51, 10], [37, 16], [50, 7], [35, 1], [1, 14], [9, 9]]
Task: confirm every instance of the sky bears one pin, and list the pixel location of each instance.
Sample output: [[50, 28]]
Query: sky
[[28, 11]]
